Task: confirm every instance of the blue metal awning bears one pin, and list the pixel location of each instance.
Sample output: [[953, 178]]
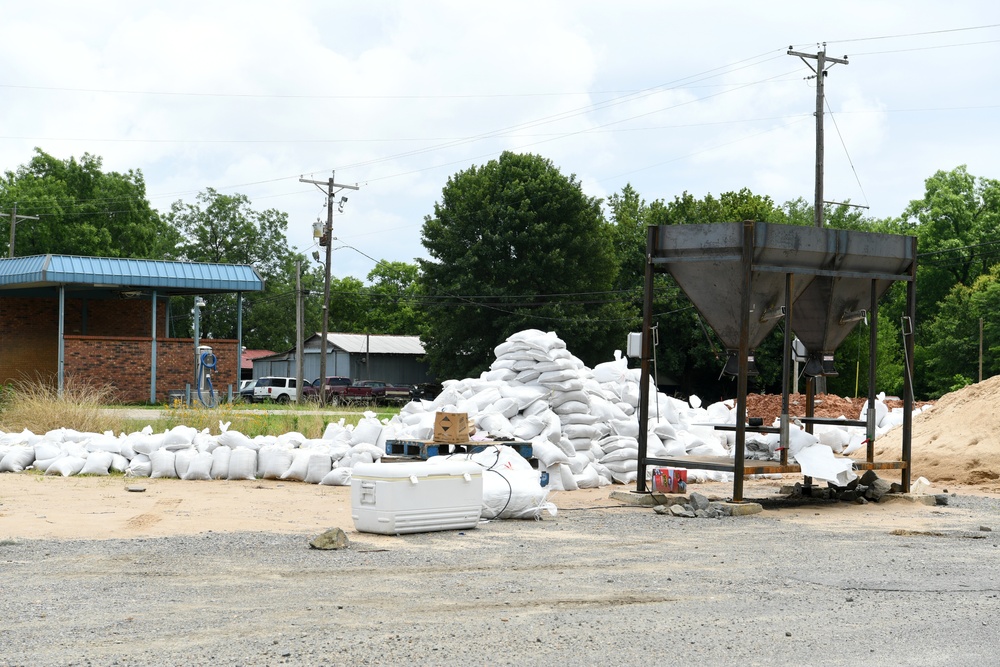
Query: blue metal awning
[[112, 273]]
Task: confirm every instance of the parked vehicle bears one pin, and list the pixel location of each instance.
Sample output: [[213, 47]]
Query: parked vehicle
[[246, 390], [375, 392], [278, 389], [335, 387]]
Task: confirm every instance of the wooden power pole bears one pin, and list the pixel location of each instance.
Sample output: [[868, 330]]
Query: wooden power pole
[[823, 62]]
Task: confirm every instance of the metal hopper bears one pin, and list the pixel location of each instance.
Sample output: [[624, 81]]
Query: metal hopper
[[711, 264], [857, 269]]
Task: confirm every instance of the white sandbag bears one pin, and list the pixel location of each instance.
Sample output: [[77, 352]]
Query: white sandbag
[[818, 462], [506, 406], [336, 431], [498, 375], [833, 437], [235, 439], [100, 442], [674, 447], [588, 478], [623, 454], [337, 477], [205, 442], [179, 437], [547, 453], [17, 458], [118, 463], [45, 449], [537, 407], [182, 459], [43, 464], [298, 466], [273, 461], [622, 465], [220, 462], [525, 395], [200, 466], [627, 427], [66, 466], [319, 467], [242, 463], [528, 428], [367, 430], [625, 477], [571, 407], [567, 478], [615, 442], [485, 398], [588, 431], [578, 463], [612, 371], [514, 494], [494, 424], [163, 462], [145, 443], [580, 418], [139, 466], [566, 445], [559, 397], [97, 463], [604, 472]]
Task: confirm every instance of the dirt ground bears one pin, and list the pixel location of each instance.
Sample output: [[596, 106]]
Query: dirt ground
[[37, 507]]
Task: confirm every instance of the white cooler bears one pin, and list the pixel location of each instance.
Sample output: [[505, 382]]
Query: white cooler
[[393, 498]]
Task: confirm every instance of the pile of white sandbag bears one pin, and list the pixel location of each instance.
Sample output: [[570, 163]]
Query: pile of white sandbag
[[582, 424]]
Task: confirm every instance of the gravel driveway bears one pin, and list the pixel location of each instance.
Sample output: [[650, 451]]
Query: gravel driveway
[[821, 583]]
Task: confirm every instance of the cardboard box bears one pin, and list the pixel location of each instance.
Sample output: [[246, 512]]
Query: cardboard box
[[451, 427], [669, 480]]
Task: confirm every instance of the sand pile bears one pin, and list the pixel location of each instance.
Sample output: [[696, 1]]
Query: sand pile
[[956, 441]]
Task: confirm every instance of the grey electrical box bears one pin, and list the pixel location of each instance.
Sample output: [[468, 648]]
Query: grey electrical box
[[633, 347]]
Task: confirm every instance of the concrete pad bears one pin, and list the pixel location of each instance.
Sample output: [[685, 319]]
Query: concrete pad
[[739, 509], [917, 498], [648, 499], [633, 498]]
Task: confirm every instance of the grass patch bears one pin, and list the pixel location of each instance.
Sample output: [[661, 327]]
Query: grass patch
[[38, 406]]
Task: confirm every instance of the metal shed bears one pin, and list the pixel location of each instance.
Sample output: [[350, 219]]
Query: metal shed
[[394, 359]]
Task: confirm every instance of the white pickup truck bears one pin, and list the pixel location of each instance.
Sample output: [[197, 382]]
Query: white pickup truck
[[278, 389]]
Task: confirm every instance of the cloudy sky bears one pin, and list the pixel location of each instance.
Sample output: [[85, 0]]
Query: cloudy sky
[[396, 96]]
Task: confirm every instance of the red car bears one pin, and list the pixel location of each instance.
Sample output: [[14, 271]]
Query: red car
[[335, 387]]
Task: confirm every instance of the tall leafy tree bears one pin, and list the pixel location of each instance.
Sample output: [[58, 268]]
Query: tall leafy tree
[[82, 210], [515, 244], [227, 229], [393, 299]]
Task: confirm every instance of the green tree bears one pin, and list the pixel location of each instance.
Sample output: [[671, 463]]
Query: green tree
[[515, 244], [393, 299], [82, 210], [226, 229]]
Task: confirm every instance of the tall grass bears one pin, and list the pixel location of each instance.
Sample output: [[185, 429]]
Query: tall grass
[[36, 405]]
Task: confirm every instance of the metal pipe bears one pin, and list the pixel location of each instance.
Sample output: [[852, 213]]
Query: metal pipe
[[152, 355], [647, 346], [786, 361], [872, 364], [739, 457]]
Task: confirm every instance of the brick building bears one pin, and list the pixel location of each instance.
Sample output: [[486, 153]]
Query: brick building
[[106, 321]]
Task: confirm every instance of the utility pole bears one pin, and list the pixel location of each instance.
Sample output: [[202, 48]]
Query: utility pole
[[14, 219], [332, 187], [819, 73], [298, 332]]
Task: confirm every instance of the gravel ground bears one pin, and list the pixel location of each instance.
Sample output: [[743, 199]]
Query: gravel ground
[[825, 583]]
